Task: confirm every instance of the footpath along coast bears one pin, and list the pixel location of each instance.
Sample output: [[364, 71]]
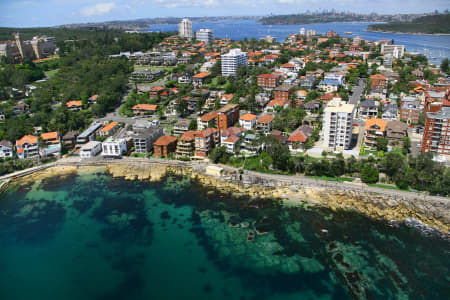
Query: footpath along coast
[[426, 212]]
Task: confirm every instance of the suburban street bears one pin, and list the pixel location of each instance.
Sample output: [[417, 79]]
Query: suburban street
[[357, 92]]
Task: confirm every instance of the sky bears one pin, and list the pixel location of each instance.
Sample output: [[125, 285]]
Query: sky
[[30, 13]]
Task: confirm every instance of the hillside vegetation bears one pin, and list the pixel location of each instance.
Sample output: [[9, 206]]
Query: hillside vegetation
[[435, 24]]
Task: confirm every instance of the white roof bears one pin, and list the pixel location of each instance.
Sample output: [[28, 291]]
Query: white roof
[[90, 145]]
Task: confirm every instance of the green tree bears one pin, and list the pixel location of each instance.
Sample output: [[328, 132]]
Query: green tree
[[193, 124], [445, 66], [382, 144], [369, 174]]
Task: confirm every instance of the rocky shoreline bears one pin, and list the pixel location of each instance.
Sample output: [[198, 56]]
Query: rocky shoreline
[[411, 33], [428, 214]]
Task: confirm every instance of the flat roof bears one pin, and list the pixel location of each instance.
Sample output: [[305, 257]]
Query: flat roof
[[90, 130]]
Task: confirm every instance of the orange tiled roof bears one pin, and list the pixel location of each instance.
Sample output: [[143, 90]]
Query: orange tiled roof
[[49, 135], [74, 103], [297, 137], [145, 107], [109, 126], [189, 135], [378, 77], [379, 122], [27, 139], [274, 102], [209, 116], [232, 139], [165, 140], [202, 75], [266, 119], [248, 117]]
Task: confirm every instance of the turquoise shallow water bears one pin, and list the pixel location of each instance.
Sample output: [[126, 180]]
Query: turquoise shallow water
[[94, 237]]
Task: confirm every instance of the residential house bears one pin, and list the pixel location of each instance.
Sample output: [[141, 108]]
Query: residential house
[[89, 134], [410, 110], [390, 112], [298, 138], [375, 128], [199, 79], [114, 148], [205, 141], [312, 106], [378, 80], [231, 131], [156, 92], [185, 79], [109, 129], [247, 121], [231, 144], [278, 135], [308, 82], [51, 144], [144, 109], [395, 132], [143, 139], [227, 116], [90, 149], [186, 144], [368, 109], [207, 120], [225, 99], [268, 81], [273, 104], [20, 108], [329, 85], [27, 146], [264, 123], [6, 149], [164, 145], [250, 143], [70, 139], [92, 99], [74, 105]]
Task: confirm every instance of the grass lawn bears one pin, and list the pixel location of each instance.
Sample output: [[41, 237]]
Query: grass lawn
[[386, 186], [51, 73], [336, 179], [168, 69]]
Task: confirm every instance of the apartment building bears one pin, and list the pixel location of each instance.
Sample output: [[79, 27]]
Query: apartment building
[[282, 92], [90, 149], [410, 109], [368, 109], [395, 132], [185, 29], [232, 61], [227, 116], [337, 125], [143, 139], [109, 129], [6, 149], [186, 144], [114, 148], [164, 145], [268, 81], [396, 51], [207, 120], [264, 123], [205, 36], [205, 141], [436, 136]]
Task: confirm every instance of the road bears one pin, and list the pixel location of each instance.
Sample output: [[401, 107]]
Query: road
[[114, 116], [358, 90]]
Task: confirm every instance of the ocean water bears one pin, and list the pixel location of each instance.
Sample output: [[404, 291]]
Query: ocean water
[[435, 47], [94, 237]]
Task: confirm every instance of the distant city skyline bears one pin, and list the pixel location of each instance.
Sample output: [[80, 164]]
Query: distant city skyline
[[29, 13]]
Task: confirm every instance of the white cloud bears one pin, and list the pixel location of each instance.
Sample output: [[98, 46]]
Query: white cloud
[[98, 9], [186, 3]]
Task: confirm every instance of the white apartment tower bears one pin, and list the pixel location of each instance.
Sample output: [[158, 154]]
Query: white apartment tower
[[185, 29], [205, 36], [337, 125], [232, 60]]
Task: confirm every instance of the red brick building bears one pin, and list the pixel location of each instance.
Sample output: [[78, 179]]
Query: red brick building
[[227, 116], [268, 81], [282, 92], [164, 145], [378, 80]]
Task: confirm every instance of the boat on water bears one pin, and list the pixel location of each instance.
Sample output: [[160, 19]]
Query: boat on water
[[348, 32]]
